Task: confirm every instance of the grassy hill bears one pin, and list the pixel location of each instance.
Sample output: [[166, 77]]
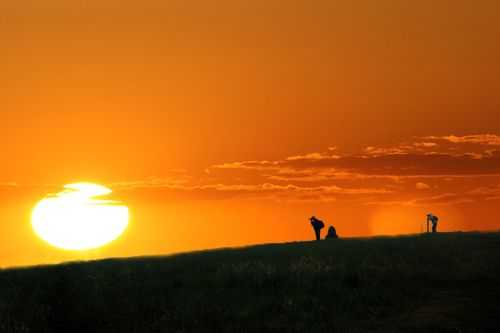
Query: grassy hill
[[425, 283]]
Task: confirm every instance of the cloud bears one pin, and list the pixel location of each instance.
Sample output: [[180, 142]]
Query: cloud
[[445, 199], [422, 186], [152, 182], [313, 157], [269, 187], [380, 151], [487, 191], [248, 165], [402, 165], [374, 174], [425, 144], [442, 199], [420, 159], [483, 139], [289, 192], [448, 198], [319, 175]]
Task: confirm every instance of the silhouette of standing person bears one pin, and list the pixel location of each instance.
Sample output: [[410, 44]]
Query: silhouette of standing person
[[433, 219], [317, 226], [332, 233]]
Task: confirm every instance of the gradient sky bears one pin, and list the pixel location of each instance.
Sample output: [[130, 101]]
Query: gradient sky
[[232, 122]]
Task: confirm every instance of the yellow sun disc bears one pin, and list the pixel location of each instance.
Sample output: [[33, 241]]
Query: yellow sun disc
[[75, 219]]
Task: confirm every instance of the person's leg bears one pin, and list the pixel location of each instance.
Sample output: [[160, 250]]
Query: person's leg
[[317, 234]]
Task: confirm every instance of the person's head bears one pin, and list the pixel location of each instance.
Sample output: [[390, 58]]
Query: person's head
[[313, 218]]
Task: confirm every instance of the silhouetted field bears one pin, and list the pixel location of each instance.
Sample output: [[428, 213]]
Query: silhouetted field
[[428, 283]]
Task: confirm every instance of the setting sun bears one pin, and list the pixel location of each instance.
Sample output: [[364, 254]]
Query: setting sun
[[75, 219]]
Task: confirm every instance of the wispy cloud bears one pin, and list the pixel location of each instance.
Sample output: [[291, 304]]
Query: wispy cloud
[[422, 186], [425, 157], [264, 190], [425, 144], [493, 190], [248, 165], [313, 157], [382, 173], [483, 139], [444, 199]]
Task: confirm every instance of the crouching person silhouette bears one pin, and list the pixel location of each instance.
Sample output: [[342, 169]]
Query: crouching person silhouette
[[332, 233], [317, 226]]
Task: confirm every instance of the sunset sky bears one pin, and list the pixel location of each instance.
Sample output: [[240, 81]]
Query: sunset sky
[[231, 122]]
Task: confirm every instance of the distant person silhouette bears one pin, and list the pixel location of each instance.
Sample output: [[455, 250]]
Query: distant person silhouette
[[317, 226], [332, 233], [433, 219]]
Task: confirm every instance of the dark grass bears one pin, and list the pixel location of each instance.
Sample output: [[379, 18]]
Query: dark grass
[[427, 283]]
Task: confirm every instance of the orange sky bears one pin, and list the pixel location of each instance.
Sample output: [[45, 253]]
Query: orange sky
[[232, 122]]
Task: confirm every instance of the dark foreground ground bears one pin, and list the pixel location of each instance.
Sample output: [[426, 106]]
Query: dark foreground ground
[[429, 283]]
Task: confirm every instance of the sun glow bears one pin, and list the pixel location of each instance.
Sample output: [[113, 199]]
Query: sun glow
[[75, 219]]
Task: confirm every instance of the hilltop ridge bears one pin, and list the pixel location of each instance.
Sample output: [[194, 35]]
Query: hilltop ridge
[[412, 283]]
